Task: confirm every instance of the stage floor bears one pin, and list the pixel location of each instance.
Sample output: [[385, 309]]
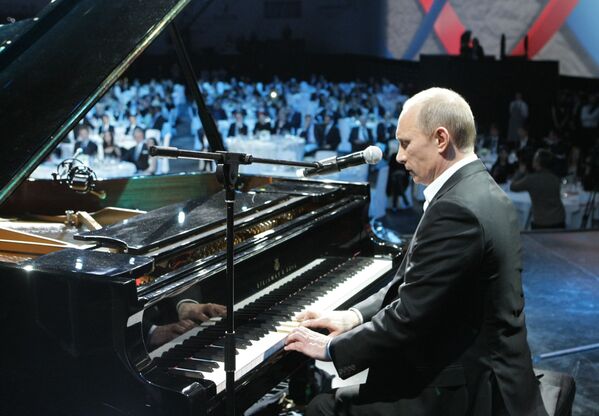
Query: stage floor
[[561, 285]]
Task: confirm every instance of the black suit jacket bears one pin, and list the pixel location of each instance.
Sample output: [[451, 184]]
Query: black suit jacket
[[142, 162], [243, 130], [89, 149], [447, 335], [327, 139]]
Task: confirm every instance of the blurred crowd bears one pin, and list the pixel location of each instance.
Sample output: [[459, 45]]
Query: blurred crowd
[[341, 117]]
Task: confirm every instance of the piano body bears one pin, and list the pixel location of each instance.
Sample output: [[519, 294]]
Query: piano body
[[87, 312]]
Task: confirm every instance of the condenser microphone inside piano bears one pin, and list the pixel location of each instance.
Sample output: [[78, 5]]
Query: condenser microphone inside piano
[[371, 155]]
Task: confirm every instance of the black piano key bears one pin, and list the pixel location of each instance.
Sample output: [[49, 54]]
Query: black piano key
[[195, 365], [212, 353], [187, 373]]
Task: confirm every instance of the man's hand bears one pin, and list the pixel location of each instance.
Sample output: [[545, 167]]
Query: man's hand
[[200, 312], [308, 342], [336, 322], [165, 333]]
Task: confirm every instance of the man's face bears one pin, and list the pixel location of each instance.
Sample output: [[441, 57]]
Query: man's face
[[417, 150], [138, 135], [83, 134]]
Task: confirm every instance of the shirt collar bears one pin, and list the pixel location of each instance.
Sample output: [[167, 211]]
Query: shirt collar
[[437, 184]]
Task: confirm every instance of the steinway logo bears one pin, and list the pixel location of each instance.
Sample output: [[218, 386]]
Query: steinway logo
[[279, 272]]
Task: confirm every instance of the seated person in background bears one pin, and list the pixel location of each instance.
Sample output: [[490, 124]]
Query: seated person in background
[[491, 141], [360, 136], [328, 135], [544, 188], [138, 154], [105, 126], [217, 111], [263, 123], [502, 170], [84, 143], [110, 149], [282, 124], [132, 117], [238, 127]]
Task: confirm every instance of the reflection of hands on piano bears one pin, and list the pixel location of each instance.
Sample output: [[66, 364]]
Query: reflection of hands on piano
[[162, 334], [200, 312], [336, 322], [308, 342]]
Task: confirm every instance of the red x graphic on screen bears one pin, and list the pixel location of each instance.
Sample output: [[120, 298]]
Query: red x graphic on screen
[[448, 26]]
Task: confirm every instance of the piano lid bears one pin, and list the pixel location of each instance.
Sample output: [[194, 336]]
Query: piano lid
[[54, 68], [174, 222]]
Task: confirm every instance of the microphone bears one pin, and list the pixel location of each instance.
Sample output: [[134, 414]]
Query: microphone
[[371, 155]]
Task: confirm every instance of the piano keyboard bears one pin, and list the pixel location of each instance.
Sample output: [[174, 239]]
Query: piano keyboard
[[264, 319]]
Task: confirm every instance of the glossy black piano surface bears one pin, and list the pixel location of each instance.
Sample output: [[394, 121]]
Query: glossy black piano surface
[[91, 318]]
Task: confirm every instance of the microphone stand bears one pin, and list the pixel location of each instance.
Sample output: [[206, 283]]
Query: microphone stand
[[227, 171]]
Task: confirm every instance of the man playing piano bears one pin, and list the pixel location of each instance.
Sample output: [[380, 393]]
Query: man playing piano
[[447, 335]]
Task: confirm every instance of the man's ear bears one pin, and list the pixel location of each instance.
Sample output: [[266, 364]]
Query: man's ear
[[441, 137]]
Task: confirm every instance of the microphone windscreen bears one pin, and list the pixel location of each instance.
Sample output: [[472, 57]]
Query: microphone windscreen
[[372, 155]]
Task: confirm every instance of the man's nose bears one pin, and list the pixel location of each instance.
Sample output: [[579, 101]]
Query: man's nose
[[401, 156]]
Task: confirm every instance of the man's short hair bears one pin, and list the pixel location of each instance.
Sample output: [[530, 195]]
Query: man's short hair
[[441, 107]]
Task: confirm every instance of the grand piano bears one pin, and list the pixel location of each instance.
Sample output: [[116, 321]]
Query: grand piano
[[93, 287]]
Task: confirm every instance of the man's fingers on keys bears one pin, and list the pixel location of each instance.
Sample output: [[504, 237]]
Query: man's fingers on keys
[[302, 316], [317, 323]]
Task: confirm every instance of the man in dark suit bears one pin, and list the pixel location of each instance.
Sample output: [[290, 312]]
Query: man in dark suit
[[238, 127], [84, 143], [447, 335], [360, 136], [327, 135], [138, 154]]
